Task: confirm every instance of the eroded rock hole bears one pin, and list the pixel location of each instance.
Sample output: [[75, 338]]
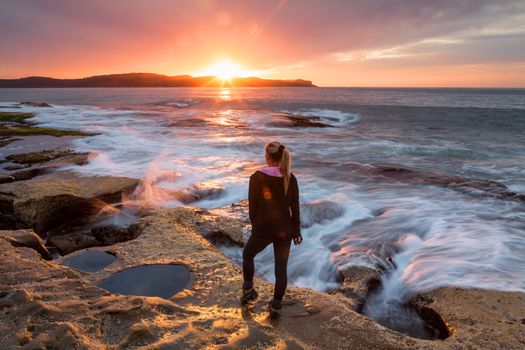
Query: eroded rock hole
[[160, 280], [409, 318]]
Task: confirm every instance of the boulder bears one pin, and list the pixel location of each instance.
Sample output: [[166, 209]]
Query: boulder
[[26, 238], [47, 201]]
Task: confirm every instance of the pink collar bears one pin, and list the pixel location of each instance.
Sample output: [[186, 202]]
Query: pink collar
[[272, 171]]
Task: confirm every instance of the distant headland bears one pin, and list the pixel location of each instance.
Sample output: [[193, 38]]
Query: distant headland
[[149, 80]]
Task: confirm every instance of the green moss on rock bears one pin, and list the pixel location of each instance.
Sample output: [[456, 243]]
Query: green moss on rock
[[30, 130], [15, 117], [15, 124]]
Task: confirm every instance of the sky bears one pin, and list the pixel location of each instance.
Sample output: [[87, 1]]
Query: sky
[[403, 43]]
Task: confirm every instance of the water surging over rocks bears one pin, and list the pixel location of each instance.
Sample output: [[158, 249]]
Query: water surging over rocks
[[407, 224]]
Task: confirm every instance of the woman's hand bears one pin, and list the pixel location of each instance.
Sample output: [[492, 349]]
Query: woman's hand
[[298, 240]]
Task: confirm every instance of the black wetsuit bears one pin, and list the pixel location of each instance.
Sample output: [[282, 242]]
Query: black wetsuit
[[275, 219]]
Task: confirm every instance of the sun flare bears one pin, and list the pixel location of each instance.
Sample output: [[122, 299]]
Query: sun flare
[[225, 70]]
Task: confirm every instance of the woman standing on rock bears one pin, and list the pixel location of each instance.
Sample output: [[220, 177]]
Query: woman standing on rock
[[273, 198]]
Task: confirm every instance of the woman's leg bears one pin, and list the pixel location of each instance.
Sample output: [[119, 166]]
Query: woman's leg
[[281, 251], [253, 247]]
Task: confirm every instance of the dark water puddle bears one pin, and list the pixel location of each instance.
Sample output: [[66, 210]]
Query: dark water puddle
[[149, 280], [90, 261]]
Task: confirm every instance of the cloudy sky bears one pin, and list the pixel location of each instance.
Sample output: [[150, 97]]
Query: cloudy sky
[[332, 42]]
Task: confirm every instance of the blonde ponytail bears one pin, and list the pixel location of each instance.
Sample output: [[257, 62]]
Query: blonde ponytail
[[279, 153], [285, 166]]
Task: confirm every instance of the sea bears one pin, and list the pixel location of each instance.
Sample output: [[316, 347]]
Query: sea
[[423, 234]]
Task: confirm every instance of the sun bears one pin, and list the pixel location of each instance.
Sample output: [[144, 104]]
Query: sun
[[226, 70]]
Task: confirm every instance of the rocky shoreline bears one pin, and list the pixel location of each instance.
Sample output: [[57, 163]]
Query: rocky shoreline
[[45, 304]]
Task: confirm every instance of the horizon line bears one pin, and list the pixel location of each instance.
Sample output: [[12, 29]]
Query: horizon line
[[249, 77]]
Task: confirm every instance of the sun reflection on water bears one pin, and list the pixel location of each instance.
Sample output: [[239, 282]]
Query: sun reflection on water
[[225, 94]]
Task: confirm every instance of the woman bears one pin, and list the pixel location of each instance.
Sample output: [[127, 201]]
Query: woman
[[273, 198]]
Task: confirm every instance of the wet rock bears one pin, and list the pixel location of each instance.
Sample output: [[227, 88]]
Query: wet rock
[[421, 177], [191, 122], [51, 166], [26, 238], [35, 104], [296, 121], [71, 158], [312, 213], [11, 118], [38, 157], [305, 121], [4, 141], [16, 124], [31, 172], [199, 192], [358, 283], [6, 178], [16, 167], [47, 201]]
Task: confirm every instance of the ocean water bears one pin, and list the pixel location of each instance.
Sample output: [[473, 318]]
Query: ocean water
[[435, 235]]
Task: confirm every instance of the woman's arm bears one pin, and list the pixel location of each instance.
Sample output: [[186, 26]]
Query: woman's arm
[[252, 198], [294, 206]]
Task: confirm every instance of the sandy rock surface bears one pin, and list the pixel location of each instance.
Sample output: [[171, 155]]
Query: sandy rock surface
[[479, 319]]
